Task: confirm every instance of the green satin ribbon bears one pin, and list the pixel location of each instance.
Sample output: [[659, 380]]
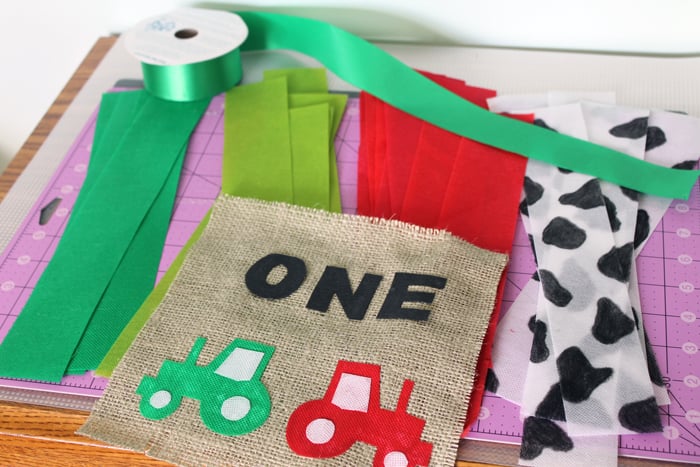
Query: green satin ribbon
[[193, 81], [371, 69]]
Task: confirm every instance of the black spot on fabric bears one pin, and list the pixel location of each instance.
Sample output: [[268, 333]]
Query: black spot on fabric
[[685, 165], [536, 276], [630, 193], [538, 434], [611, 209], [634, 129], [543, 124], [533, 191], [552, 406], [492, 382], [532, 247], [655, 138], [636, 318], [653, 364], [553, 290], [611, 324], [563, 233], [642, 229], [577, 377], [617, 262], [564, 171], [523, 208], [539, 351], [588, 196], [641, 416]]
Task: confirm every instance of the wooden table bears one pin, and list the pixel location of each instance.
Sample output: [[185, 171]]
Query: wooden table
[[35, 435]]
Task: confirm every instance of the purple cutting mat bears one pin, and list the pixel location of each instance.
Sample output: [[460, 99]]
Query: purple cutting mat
[[668, 270]]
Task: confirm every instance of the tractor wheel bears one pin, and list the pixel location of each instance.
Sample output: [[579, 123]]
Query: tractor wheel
[[157, 401], [317, 429], [242, 409], [391, 459], [396, 456]]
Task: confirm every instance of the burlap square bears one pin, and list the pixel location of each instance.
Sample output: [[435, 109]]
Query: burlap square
[[210, 298]]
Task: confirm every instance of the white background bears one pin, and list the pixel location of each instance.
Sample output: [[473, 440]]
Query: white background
[[43, 41]]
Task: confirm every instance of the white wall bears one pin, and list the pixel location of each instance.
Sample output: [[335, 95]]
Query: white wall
[[43, 41]]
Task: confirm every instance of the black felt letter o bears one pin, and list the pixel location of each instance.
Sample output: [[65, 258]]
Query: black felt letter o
[[256, 277]]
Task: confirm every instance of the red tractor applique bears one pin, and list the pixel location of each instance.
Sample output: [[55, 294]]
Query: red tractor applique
[[350, 411]]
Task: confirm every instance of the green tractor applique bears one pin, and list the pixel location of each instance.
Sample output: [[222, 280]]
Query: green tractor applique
[[232, 399]]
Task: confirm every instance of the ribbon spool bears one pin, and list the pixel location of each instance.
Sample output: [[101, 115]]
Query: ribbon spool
[[189, 54]]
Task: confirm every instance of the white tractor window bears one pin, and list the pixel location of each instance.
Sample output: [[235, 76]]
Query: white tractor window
[[240, 365], [352, 392]]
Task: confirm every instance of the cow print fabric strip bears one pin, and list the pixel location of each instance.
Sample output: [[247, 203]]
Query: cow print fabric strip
[[672, 139], [575, 254], [680, 149]]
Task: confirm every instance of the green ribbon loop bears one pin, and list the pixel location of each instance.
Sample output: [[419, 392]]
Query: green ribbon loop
[[369, 68]]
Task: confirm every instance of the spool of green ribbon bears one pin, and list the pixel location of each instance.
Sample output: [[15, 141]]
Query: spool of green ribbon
[[189, 54], [371, 69], [196, 81]]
